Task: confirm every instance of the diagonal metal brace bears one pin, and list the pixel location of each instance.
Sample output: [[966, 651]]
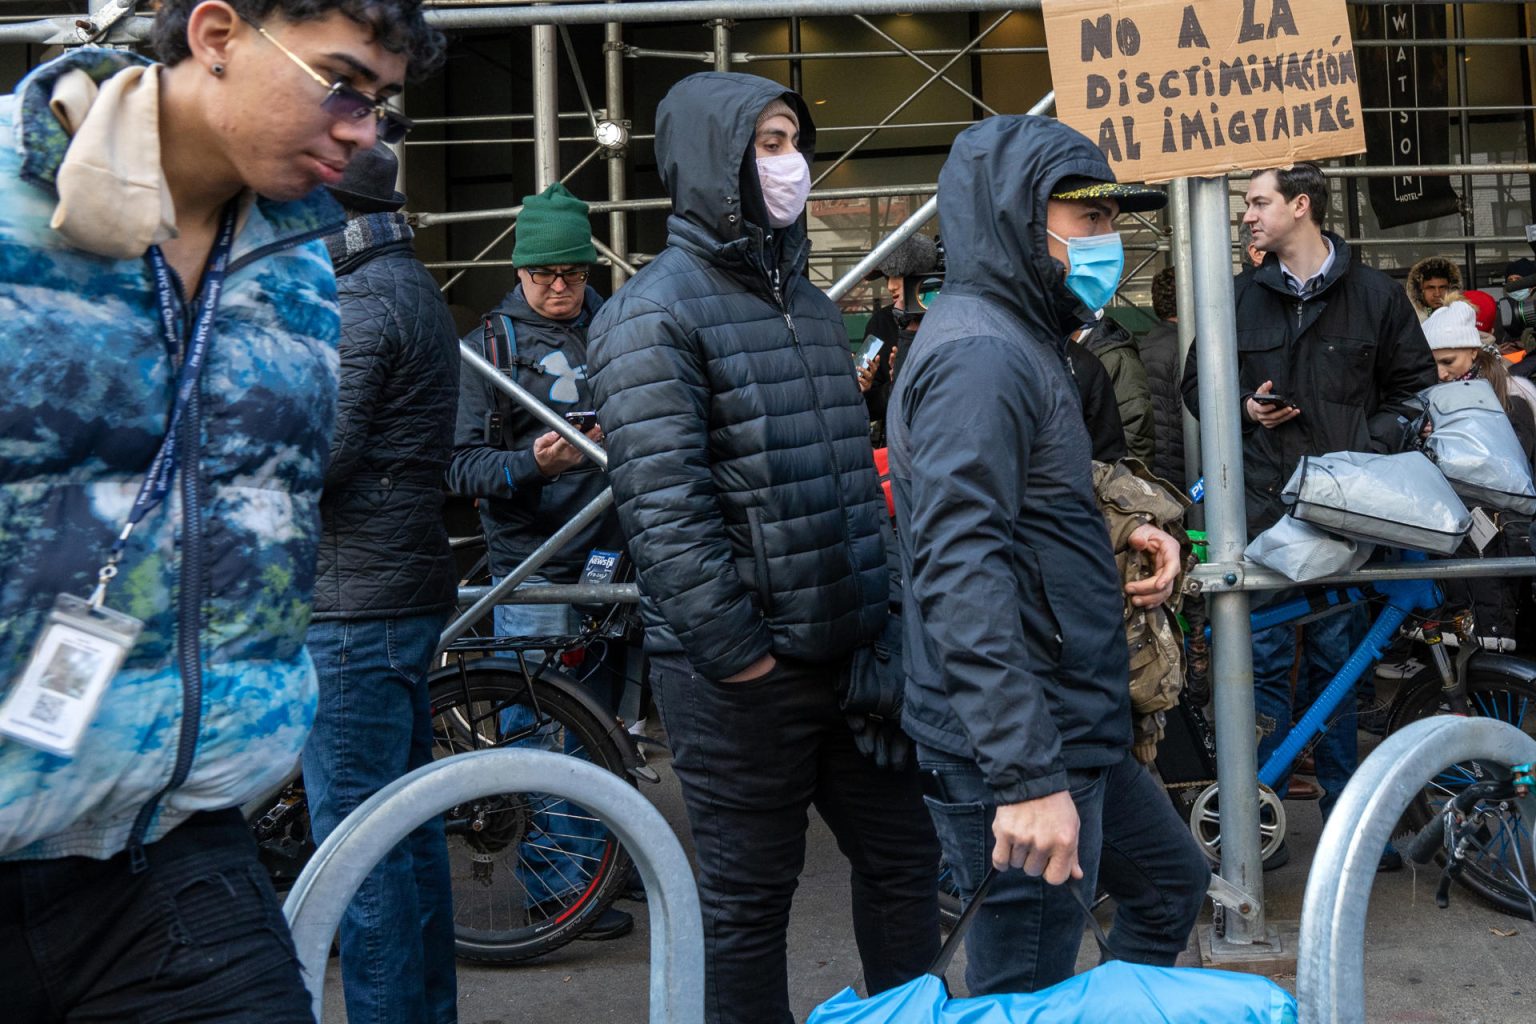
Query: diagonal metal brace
[[1231, 898], [99, 24]]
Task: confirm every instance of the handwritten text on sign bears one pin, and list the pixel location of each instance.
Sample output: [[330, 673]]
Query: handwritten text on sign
[[1175, 89]]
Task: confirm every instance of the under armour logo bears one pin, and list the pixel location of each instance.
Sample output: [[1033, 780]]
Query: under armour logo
[[566, 376]]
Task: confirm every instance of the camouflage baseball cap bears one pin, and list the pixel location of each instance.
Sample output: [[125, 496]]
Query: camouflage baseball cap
[[1132, 198]]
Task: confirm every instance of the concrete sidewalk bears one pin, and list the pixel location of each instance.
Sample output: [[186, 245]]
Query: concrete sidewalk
[[1423, 965]]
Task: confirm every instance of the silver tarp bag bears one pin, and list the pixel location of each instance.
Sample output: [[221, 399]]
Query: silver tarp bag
[[1475, 446], [1400, 500], [1301, 552]]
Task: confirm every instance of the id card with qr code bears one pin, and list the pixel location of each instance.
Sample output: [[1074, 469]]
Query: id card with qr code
[[79, 652]]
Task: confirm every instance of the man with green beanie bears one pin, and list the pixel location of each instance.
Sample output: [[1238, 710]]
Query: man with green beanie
[[530, 481]]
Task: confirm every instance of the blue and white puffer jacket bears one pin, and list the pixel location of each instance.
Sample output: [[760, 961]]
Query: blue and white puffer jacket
[[214, 702]]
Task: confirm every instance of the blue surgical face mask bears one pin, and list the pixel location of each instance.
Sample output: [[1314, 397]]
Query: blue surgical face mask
[[1520, 294], [1094, 265]]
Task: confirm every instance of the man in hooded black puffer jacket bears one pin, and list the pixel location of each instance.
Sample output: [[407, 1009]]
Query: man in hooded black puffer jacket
[[385, 584], [740, 462]]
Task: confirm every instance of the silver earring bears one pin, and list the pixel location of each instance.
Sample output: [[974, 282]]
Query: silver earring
[[217, 69]]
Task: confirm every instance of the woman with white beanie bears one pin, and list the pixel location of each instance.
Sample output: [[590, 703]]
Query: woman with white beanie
[[1501, 608], [1462, 352]]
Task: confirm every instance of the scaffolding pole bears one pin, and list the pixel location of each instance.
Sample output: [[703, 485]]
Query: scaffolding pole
[[1183, 262], [546, 108], [1227, 534], [613, 110]]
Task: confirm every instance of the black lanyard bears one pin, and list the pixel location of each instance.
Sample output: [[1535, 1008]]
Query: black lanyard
[[162, 470]]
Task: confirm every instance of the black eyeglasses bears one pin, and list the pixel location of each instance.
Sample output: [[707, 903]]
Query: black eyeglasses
[[544, 278], [345, 103]]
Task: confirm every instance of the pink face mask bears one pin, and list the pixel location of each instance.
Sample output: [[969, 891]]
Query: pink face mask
[[786, 183]]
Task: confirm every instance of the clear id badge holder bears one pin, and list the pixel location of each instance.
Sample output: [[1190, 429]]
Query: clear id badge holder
[[80, 650]]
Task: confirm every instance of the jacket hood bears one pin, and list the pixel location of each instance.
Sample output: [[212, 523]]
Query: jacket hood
[[42, 143], [993, 192], [704, 132], [515, 304], [1107, 335], [1431, 266]]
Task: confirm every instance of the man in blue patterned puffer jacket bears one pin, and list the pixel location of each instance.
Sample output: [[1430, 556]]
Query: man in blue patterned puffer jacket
[[129, 888]]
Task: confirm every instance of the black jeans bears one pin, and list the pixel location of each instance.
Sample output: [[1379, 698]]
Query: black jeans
[[1151, 865], [196, 936], [752, 758]]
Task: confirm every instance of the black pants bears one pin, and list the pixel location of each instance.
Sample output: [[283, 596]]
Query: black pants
[[196, 936], [752, 758]]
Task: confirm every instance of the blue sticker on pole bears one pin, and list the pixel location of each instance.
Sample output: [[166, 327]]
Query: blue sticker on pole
[[1197, 492]]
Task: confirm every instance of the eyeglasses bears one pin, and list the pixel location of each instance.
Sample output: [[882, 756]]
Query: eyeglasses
[[545, 278], [345, 103]]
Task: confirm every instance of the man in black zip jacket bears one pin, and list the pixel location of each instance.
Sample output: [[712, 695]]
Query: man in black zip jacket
[[384, 588], [1337, 347], [740, 461]]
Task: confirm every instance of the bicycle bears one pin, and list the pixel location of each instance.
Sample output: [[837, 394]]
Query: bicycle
[[1479, 682], [499, 844], [1475, 832]]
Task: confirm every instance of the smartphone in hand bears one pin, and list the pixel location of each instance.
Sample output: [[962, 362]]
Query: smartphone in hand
[[582, 421]]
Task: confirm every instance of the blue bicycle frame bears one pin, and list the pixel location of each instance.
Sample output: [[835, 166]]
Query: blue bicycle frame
[[1403, 598]]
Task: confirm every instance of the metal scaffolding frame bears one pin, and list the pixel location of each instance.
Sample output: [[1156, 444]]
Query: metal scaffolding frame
[[1198, 235]]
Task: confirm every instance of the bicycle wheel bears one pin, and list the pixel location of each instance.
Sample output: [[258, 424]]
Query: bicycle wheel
[[530, 871], [1500, 865]]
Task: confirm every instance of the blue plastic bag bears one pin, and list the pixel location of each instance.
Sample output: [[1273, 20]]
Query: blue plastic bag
[[1116, 991]]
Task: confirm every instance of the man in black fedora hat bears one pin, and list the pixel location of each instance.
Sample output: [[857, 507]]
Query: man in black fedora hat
[[385, 586]]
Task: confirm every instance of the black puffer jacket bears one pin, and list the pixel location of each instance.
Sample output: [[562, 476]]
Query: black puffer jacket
[[1352, 357], [737, 437], [385, 552], [1015, 643], [1159, 349], [520, 507]]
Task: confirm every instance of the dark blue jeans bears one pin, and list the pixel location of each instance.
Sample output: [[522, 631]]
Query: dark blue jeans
[[1326, 645], [196, 936], [753, 758], [1027, 934], [374, 725], [1151, 866], [565, 843]]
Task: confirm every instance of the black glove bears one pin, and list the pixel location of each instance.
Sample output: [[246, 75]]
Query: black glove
[[871, 699], [881, 739]]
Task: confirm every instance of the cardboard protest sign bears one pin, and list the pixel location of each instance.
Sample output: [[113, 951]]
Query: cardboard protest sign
[[1172, 89]]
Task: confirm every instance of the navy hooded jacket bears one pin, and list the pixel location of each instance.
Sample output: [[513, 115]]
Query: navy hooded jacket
[[1015, 647]]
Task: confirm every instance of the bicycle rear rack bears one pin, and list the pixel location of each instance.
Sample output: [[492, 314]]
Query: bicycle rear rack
[[1330, 969], [322, 892]]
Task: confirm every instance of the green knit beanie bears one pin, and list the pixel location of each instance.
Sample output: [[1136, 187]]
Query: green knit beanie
[[553, 230]]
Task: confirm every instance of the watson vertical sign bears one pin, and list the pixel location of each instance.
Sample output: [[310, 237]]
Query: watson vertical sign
[[1405, 84], [1176, 89]]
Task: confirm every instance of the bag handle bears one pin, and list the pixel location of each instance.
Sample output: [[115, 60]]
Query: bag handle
[[957, 934]]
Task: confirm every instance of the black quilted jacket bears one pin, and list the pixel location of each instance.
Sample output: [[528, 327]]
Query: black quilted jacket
[[738, 441], [385, 552]]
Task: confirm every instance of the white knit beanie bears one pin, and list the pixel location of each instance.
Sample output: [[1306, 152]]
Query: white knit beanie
[[1453, 325]]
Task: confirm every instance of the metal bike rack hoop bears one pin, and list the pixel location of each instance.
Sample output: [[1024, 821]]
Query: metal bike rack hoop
[[1330, 970], [326, 886]]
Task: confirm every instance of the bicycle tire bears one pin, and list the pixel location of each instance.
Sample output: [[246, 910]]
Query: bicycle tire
[[489, 840], [1499, 687]]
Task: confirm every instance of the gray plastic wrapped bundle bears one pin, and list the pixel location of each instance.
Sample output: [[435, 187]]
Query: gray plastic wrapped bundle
[[1400, 500], [1475, 446], [1301, 552]]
